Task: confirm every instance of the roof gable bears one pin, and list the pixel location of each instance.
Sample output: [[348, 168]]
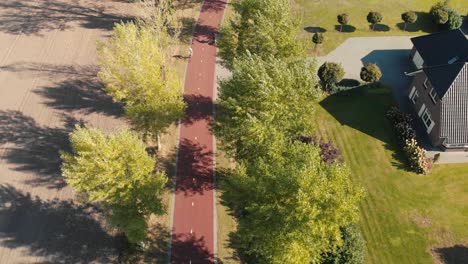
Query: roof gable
[[442, 48], [442, 77]]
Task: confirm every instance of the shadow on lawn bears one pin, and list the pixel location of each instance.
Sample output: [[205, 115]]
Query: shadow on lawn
[[452, 255], [59, 231], [423, 23], [345, 28], [364, 109], [34, 17], [315, 29]]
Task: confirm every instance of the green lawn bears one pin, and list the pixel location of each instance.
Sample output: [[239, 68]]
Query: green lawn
[[404, 215], [321, 15]]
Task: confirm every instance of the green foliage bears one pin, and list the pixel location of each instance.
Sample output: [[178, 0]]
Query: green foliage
[[330, 73], [263, 27], [351, 251], [439, 12], [117, 171], [409, 17], [343, 19], [291, 204], [370, 73], [317, 38], [374, 18], [455, 20], [135, 69], [264, 96]]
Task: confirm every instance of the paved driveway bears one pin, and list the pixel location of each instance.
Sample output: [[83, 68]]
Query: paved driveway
[[389, 53]]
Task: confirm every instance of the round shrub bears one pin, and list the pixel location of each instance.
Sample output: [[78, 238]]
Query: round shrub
[[330, 73], [439, 13], [343, 19], [371, 73], [374, 18], [409, 17], [317, 38], [454, 19]]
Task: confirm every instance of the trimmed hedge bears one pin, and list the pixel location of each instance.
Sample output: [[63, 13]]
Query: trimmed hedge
[[406, 135]]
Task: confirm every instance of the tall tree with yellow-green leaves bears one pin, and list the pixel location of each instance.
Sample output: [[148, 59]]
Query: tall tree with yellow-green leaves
[[116, 170], [135, 69], [263, 27]]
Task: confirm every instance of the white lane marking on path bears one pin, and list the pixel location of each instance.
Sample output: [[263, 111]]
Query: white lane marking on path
[[191, 231], [196, 138], [192, 203]]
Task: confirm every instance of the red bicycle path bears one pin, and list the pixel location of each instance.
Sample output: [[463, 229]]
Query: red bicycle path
[[193, 223]]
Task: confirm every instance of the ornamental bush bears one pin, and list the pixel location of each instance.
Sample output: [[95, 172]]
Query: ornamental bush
[[406, 135], [370, 73], [328, 152], [330, 74]]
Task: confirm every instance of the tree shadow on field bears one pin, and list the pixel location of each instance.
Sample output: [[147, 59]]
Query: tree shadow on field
[[188, 26], [315, 29], [59, 231], [75, 88], [423, 23], [35, 148], [380, 28], [35, 17], [452, 255], [345, 28], [364, 109]]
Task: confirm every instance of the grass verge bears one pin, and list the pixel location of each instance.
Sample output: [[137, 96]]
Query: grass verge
[[405, 217], [320, 16]]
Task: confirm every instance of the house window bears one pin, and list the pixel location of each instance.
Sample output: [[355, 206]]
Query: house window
[[433, 95], [426, 117], [415, 97], [425, 84]]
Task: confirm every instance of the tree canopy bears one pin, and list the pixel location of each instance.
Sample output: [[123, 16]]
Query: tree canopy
[[263, 27], [330, 73], [117, 171], [264, 93], [135, 70], [292, 204], [370, 73]]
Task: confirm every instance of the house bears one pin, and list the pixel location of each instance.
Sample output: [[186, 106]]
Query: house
[[439, 90]]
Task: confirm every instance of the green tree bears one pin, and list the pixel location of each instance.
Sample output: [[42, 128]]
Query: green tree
[[454, 19], [409, 17], [330, 74], [263, 27], [374, 18], [291, 204], [343, 19], [116, 170], [262, 93], [439, 12], [317, 39], [370, 73], [135, 70], [351, 251]]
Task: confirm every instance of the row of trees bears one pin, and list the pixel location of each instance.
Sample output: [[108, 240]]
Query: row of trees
[[115, 169], [293, 205], [441, 13]]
